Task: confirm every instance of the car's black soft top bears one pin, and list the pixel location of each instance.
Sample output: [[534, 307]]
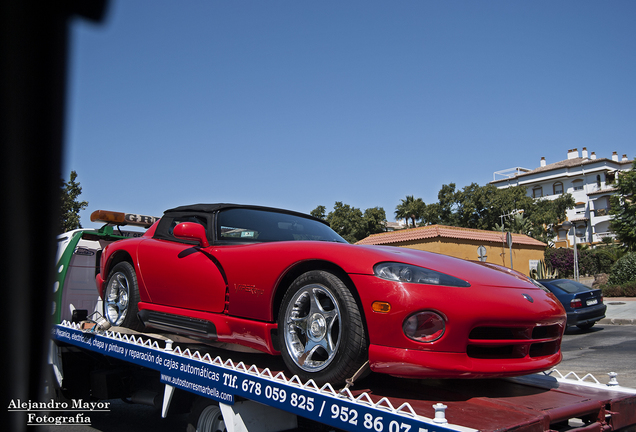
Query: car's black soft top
[[211, 208]]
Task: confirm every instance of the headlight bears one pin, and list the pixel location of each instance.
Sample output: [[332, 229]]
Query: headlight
[[424, 326], [399, 272]]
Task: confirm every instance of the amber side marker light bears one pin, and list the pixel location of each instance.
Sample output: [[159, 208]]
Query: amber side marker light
[[119, 218], [381, 307]]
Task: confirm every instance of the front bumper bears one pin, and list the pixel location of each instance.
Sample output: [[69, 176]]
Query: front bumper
[[489, 332], [428, 364]]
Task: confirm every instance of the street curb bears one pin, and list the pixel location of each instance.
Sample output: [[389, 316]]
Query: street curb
[[618, 321]]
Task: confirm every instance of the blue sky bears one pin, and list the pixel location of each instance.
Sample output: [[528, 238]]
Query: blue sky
[[296, 104]]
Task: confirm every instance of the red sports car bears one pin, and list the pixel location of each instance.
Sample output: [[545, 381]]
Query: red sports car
[[285, 283]]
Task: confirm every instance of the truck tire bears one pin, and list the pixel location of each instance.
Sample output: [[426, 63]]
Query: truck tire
[[205, 416]]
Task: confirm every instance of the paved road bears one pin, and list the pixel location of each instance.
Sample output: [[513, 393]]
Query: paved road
[[610, 346], [600, 350]]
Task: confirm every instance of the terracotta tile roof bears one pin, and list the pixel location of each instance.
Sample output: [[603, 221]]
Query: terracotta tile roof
[[579, 219], [563, 164], [603, 191], [432, 231]]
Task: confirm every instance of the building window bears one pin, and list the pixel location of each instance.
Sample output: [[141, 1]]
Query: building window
[[537, 192], [610, 177], [580, 231], [579, 208], [563, 234], [598, 181], [601, 206], [578, 184], [558, 188]]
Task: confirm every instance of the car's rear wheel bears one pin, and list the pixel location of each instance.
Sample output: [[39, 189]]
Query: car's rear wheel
[[121, 297], [585, 326], [320, 329]]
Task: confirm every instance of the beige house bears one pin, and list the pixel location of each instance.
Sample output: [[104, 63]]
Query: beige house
[[590, 181], [466, 243]]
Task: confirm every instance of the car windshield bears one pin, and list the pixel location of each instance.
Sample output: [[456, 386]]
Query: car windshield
[[571, 287], [250, 225]]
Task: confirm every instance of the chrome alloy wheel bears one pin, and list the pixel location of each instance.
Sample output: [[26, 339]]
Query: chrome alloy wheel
[[117, 298], [312, 327]]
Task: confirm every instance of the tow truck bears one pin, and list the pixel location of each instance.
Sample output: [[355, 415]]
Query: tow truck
[[244, 391], [78, 253]]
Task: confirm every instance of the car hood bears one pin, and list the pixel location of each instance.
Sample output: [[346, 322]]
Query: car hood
[[472, 272], [360, 259]]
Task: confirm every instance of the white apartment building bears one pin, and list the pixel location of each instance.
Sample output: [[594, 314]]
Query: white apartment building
[[590, 181]]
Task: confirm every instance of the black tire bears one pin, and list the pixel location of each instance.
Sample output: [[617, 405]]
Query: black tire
[[586, 326], [205, 416], [320, 329], [121, 296]]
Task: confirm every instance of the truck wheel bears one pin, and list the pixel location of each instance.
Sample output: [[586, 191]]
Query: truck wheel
[[121, 297], [320, 329], [205, 416]]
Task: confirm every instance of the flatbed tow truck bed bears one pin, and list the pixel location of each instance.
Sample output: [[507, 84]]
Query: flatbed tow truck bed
[[378, 403]]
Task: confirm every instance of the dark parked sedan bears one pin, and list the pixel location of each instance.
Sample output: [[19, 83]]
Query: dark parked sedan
[[583, 305]]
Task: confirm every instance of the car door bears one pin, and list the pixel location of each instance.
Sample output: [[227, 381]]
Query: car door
[[180, 274]]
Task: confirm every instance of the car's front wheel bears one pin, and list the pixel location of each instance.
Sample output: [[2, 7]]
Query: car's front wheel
[[121, 297], [321, 330]]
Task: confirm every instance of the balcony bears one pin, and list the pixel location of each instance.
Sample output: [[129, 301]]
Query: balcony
[[598, 237], [602, 235]]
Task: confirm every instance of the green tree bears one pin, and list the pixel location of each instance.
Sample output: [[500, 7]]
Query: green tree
[[623, 270], [505, 201], [71, 206], [410, 208], [623, 208], [448, 205], [346, 221], [402, 209], [604, 259], [430, 216], [545, 215], [374, 221], [481, 207], [476, 206], [351, 223], [516, 224], [319, 212]]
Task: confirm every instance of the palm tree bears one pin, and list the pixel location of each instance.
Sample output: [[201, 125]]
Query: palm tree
[[410, 208], [402, 210]]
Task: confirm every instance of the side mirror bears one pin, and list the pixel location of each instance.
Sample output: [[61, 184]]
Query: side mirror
[[191, 231]]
